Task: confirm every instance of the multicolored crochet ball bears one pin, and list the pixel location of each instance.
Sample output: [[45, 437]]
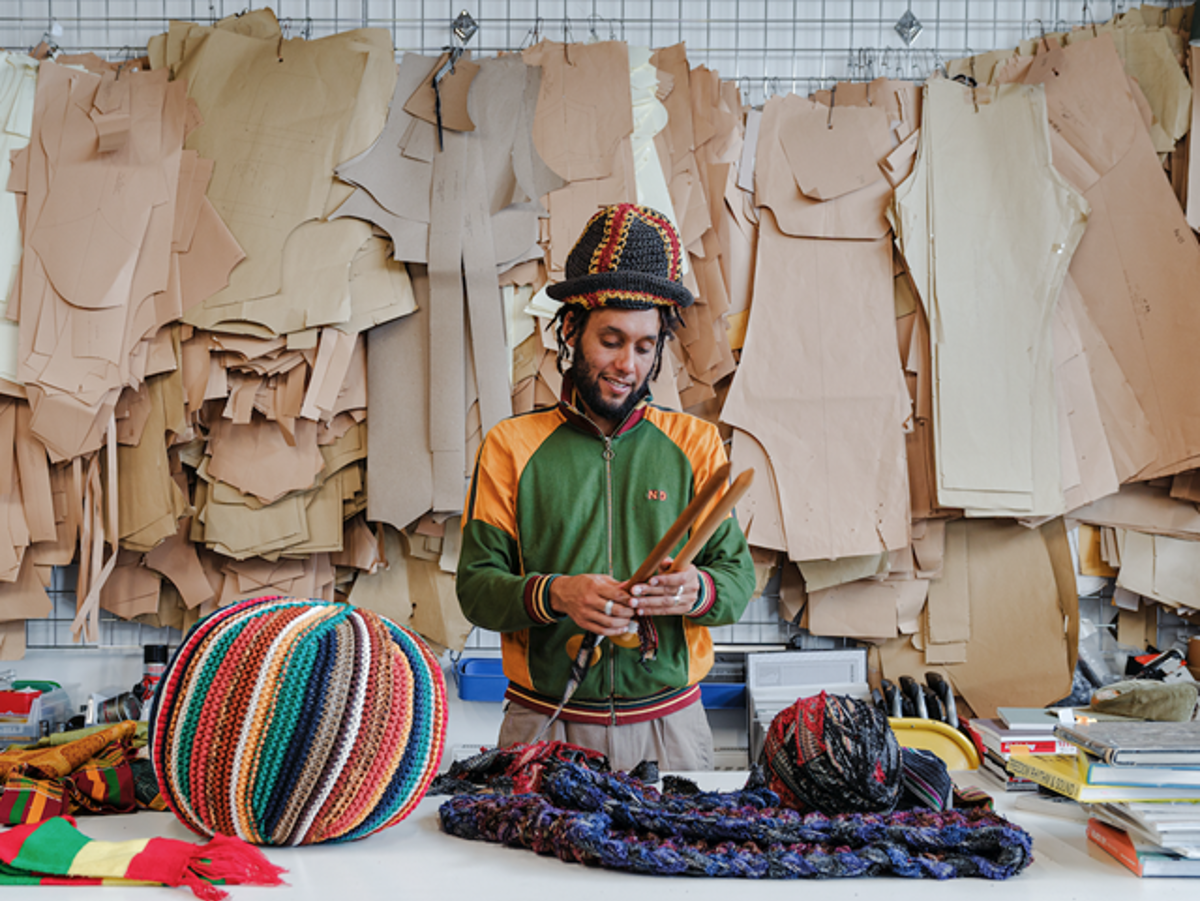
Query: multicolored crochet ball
[[292, 722]]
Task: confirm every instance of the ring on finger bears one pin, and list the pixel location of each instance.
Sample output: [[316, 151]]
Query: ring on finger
[[679, 593], [608, 607]]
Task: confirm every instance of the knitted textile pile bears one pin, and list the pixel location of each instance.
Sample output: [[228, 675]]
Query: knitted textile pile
[[518, 769], [575, 810], [97, 785], [834, 754], [292, 722], [92, 774], [56, 853]]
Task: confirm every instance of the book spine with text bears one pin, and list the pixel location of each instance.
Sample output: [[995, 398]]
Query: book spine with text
[[1053, 781], [1042, 746], [1115, 842]]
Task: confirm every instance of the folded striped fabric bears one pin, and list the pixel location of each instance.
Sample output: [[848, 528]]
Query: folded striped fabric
[[91, 774], [54, 852]]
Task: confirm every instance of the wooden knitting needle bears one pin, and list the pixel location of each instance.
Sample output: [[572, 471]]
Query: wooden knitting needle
[[703, 532], [700, 537], [677, 530]]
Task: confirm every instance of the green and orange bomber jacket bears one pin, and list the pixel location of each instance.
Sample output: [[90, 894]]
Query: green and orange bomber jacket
[[552, 495]]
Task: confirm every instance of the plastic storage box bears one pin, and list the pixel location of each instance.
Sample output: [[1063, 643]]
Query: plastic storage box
[[480, 679], [27, 706], [723, 695]]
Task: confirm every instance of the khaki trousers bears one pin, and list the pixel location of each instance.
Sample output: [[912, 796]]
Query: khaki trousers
[[680, 741]]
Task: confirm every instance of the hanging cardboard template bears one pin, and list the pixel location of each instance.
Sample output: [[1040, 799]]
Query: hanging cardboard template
[[445, 106], [835, 151], [1139, 262]]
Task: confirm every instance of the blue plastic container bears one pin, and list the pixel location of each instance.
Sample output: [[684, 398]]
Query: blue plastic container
[[481, 679], [722, 695]]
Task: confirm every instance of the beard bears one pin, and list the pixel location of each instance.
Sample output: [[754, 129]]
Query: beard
[[587, 383]]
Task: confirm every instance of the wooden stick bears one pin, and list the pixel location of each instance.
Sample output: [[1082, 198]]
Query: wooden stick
[[705, 530], [679, 528]]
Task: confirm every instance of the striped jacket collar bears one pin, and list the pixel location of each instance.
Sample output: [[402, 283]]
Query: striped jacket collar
[[572, 407]]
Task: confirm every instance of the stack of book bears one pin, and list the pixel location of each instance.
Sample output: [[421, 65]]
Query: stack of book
[[1173, 826], [1017, 729], [1142, 782]]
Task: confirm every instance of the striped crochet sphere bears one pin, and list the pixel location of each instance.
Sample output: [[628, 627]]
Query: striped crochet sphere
[[292, 722]]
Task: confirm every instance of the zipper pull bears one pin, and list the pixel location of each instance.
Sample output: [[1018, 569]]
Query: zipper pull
[[608, 450]]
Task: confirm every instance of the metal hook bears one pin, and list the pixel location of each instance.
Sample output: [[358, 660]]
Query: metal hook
[[1085, 15], [1042, 29], [974, 86], [533, 35], [129, 60]]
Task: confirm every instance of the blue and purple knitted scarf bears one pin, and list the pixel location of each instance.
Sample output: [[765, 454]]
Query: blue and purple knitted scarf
[[584, 814]]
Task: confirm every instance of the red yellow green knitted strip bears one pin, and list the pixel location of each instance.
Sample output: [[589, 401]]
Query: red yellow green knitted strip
[[670, 238], [55, 852], [606, 296], [607, 255]]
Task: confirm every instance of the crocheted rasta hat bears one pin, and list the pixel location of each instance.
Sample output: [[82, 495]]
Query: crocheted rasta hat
[[834, 754], [291, 722], [628, 256]]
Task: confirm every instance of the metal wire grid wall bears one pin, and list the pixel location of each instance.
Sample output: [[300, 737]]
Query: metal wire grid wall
[[769, 46], [55, 630]]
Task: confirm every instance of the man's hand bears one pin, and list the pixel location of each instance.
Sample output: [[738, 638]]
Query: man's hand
[[596, 603], [667, 593]]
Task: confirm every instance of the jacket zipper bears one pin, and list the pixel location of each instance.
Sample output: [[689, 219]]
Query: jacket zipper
[[608, 500], [608, 455]]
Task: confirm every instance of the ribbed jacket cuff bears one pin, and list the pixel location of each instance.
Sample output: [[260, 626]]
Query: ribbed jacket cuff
[[537, 600], [706, 597]]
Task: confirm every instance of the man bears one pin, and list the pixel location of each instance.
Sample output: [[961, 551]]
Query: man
[[566, 503]]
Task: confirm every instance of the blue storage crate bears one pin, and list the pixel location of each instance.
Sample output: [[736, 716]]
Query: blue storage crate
[[481, 679], [722, 695]]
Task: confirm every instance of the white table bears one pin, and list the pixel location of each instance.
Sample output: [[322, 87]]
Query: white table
[[415, 861]]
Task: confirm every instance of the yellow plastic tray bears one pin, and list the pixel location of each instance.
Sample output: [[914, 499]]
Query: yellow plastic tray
[[952, 746]]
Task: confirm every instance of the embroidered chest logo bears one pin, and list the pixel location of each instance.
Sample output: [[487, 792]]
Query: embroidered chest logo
[[656, 494]]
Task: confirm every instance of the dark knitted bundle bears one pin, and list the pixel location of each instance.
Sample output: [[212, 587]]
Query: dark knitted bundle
[[834, 754], [615, 821], [629, 257], [514, 770]]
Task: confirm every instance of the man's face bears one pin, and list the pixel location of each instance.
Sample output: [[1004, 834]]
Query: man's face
[[612, 361]]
